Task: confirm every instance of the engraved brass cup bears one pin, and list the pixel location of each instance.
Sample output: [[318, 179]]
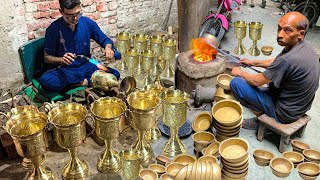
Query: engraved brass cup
[[123, 44], [69, 122], [131, 164], [240, 31], [133, 62], [107, 113], [148, 63], [27, 128], [143, 107], [154, 133], [140, 42], [169, 54], [255, 30], [174, 115], [157, 48]]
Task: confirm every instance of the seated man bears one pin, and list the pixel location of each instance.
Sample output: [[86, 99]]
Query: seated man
[[293, 76], [66, 41]]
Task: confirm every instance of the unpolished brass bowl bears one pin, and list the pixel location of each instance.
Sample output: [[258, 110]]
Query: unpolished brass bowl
[[234, 150], [226, 129], [312, 155], [208, 158], [158, 168], [227, 112], [281, 167], [212, 149], [309, 169], [229, 134], [262, 163], [162, 159], [267, 50], [148, 174], [263, 155], [202, 122], [236, 165], [220, 94], [307, 177], [165, 176], [202, 139], [173, 168], [224, 80], [229, 178], [299, 146], [234, 175], [182, 174], [294, 157], [184, 159], [238, 169]]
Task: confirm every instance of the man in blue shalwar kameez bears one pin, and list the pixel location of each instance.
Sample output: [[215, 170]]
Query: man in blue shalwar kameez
[[66, 39]]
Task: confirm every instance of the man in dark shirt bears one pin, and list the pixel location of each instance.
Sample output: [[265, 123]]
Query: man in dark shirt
[[66, 39], [293, 76]]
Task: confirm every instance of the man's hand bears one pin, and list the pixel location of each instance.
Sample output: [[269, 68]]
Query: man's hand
[[68, 58], [109, 52], [236, 71], [246, 61]]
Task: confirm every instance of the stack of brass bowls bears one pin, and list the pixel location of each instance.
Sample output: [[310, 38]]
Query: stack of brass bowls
[[227, 121], [202, 140], [281, 167], [299, 146], [163, 160], [308, 170], [202, 122], [311, 155], [212, 150], [223, 91], [295, 157], [200, 170], [234, 154], [173, 168], [262, 157]]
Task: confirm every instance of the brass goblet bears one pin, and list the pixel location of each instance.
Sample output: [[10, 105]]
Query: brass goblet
[[255, 30], [132, 61], [123, 44], [240, 31], [156, 47], [147, 63], [27, 128], [131, 163], [169, 54], [69, 122], [140, 42], [174, 115], [107, 113], [143, 107]]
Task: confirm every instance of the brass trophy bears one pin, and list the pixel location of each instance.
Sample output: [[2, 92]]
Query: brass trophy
[[103, 80], [154, 133], [255, 30], [132, 62], [169, 54], [140, 42], [240, 31], [27, 128], [130, 163], [174, 115], [107, 113], [143, 107], [123, 43], [156, 47], [69, 122], [147, 63]]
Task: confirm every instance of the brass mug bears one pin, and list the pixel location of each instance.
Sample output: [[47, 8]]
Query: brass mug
[[131, 164]]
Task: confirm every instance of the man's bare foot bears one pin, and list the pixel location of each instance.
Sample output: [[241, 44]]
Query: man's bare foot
[[257, 113], [84, 82]]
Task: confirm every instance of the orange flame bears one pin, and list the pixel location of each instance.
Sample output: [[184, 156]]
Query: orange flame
[[202, 51]]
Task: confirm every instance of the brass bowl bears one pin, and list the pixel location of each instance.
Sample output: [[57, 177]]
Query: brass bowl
[[227, 112], [202, 139], [173, 168], [235, 165], [184, 159], [267, 50], [229, 178], [234, 150], [311, 154], [208, 158], [224, 80], [182, 174], [158, 168], [237, 170], [299, 146], [262, 163], [220, 94], [162, 159], [234, 175], [307, 177], [294, 157], [148, 174], [263, 155], [309, 169], [165, 176], [227, 129], [281, 167], [202, 122], [229, 134], [212, 149]]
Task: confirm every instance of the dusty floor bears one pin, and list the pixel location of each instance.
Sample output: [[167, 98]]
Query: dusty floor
[[269, 17]]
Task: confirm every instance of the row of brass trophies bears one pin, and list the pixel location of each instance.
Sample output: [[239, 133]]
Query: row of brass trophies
[[240, 31], [146, 56], [145, 106]]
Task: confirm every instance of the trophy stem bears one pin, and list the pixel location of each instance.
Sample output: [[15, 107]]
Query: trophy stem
[[240, 49], [168, 71], [39, 172], [144, 148], [174, 146], [75, 168], [153, 134], [254, 51], [148, 79], [109, 161], [122, 65]]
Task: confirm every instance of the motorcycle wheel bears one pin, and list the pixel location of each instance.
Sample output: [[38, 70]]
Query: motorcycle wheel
[[311, 11], [213, 27]]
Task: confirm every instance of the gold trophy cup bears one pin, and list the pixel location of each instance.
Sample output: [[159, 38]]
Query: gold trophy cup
[[148, 63], [156, 47], [240, 31], [140, 42], [255, 30], [131, 164], [169, 54], [132, 61], [123, 44], [27, 128], [107, 113], [174, 115], [143, 107], [69, 122]]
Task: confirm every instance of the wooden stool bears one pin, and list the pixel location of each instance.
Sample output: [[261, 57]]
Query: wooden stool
[[285, 130]]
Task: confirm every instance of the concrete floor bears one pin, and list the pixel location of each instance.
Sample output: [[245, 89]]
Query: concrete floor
[[269, 17]]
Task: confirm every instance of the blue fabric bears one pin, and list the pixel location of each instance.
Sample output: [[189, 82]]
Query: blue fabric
[[60, 39], [255, 98]]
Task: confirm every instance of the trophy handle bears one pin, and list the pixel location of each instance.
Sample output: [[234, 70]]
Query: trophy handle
[[91, 96], [128, 116], [49, 106], [93, 127]]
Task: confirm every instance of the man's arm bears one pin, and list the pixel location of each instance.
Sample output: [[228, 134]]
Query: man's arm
[[258, 63], [252, 79], [68, 58]]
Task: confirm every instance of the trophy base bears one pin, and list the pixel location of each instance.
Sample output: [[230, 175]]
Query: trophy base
[[174, 146], [27, 164], [146, 153], [75, 169], [254, 51], [152, 135], [109, 164], [240, 49], [42, 173]]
